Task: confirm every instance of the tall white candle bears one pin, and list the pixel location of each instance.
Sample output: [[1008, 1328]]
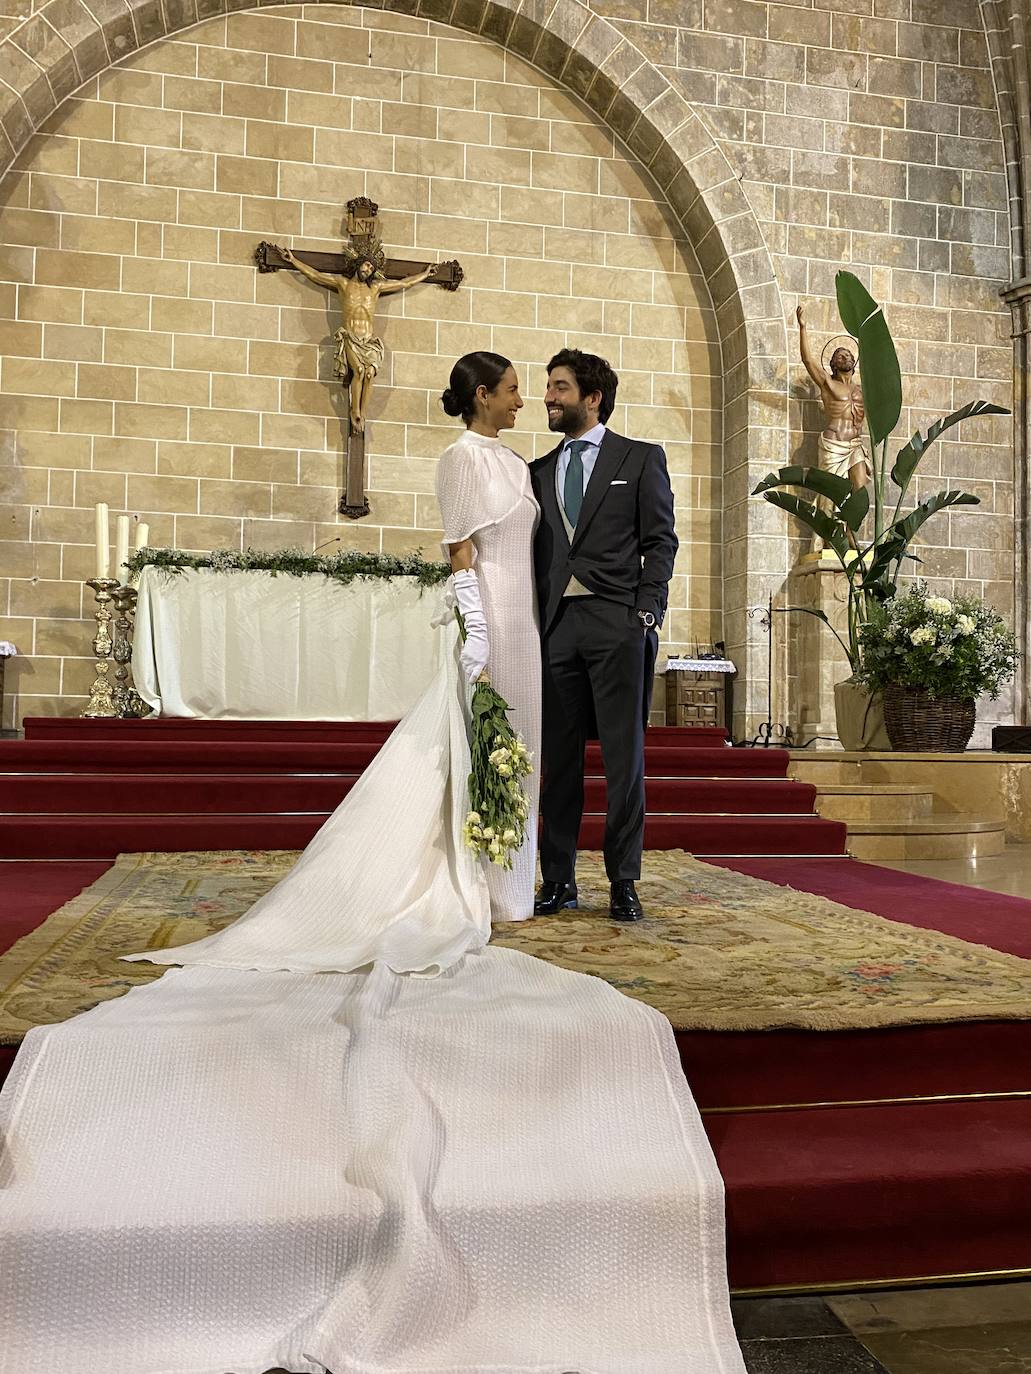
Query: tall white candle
[[103, 539], [121, 548], [142, 534]]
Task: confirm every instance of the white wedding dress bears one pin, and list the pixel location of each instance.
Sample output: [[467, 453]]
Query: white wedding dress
[[290, 1153]]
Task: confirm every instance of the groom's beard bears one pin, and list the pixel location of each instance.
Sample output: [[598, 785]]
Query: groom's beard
[[568, 419]]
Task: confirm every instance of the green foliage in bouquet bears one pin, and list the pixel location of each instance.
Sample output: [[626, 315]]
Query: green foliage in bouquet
[[496, 823], [343, 567], [960, 649], [498, 810], [872, 563]]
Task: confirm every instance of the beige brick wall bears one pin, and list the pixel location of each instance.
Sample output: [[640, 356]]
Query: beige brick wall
[[865, 135], [147, 364]]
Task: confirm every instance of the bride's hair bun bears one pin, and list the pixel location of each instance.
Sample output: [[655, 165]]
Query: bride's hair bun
[[451, 403], [472, 371]]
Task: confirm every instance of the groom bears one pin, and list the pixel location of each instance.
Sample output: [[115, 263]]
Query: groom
[[603, 556]]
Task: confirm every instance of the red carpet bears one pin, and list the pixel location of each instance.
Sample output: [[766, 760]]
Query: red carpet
[[85, 789], [870, 1193], [816, 1195]]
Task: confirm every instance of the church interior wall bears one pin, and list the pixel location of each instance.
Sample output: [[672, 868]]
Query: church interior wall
[[864, 136], [867, 136], [148, 365]]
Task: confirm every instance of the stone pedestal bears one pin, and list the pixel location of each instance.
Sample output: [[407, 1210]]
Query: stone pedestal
[[816, 661]]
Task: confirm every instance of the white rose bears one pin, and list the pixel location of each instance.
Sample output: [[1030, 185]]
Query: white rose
[[509, 837], [967, 624], [488, 832], [923, 634], [939, 605]]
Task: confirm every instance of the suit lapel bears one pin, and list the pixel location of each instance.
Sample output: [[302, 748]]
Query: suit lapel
[[548, 494], [614, 449]]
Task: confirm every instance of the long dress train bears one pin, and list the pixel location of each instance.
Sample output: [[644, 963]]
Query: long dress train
[[263, 1160]]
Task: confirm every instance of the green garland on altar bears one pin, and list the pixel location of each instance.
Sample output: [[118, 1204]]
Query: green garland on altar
[[344, 567]]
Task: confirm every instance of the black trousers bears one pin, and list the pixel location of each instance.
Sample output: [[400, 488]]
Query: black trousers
[[595, 658]]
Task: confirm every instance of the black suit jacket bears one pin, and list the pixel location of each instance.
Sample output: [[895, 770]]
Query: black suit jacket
[[624, 542]]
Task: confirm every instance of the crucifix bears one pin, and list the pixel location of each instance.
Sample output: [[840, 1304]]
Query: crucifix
[[360, 274]]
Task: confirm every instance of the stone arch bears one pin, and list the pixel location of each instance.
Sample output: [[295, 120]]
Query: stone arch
[[1008, 34], [66, 42]]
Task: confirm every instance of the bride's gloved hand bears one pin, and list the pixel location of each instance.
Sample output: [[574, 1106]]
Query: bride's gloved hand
[[476, 649]]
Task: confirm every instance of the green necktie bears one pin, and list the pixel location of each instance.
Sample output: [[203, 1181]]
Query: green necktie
[[573, 490]]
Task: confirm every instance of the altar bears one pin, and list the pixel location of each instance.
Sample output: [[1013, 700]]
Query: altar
[[253, 645]]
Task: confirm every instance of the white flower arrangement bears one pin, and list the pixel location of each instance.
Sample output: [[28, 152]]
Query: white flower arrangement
[[960, 649]]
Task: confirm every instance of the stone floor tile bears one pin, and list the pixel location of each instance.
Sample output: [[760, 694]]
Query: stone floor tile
[[769, 1318], [921, 1309], [1004, 1348], [1008, 872], [810, 1355]]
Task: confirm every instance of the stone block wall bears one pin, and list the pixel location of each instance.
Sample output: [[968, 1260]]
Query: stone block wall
[[147, 364], [867, 136], [864, 136]]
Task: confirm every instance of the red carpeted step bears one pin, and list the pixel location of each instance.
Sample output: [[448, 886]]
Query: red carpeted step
[[79, 729], [175, 756], [735, 1069], [848, 1195], [104, 836], [706, 834], [130, 793]]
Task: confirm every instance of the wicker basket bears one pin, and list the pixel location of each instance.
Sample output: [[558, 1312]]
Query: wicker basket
[[935, 725]]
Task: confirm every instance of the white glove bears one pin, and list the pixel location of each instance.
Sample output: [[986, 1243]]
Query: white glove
[[476, 649]]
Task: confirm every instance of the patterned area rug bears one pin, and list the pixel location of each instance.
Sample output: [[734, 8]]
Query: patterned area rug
[[719, 950]]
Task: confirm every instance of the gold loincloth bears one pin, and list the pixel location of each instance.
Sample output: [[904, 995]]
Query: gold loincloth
[[369, 352]]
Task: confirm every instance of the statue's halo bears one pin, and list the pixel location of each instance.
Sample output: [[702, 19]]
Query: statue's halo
[[839, 341]]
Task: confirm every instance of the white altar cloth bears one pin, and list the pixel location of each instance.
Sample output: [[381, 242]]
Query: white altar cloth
[[253, 646]]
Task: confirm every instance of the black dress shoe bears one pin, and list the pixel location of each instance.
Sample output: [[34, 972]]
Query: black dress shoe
[[624, 903], [553, 898]]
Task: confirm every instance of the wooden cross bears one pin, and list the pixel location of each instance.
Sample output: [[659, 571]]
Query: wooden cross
[[360, 275]]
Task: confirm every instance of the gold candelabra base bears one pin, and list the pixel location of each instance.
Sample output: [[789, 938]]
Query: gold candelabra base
[[113, 641]]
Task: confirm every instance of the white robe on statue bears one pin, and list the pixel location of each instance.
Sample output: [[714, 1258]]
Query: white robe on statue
[[292, 1154]]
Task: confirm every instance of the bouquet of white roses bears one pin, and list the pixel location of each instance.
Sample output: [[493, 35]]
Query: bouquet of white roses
[[498, 809]]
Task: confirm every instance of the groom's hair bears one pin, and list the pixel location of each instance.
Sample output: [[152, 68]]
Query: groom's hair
[[592, 374]]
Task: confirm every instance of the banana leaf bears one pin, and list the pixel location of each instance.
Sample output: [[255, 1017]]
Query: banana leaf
[[820, 615], [854, 509], [830, 530], [907, 458], [906, 528], [810, 479], [882, 377]]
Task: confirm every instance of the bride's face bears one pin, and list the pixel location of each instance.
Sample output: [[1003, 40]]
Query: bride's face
[[500, 407]]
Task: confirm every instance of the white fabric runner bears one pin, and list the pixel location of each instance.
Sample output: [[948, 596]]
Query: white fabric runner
[[264, 1160], [250, 646], [499, 1169]]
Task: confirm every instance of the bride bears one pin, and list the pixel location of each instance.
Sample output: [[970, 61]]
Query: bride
[[289, 1152]]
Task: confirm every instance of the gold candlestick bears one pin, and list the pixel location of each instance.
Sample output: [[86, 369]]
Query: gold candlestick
[[128, 702], [101, 699]]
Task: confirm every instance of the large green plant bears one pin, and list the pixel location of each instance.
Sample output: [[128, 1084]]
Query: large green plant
[[872, 563]]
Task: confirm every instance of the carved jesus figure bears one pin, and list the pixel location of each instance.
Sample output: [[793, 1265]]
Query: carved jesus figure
[[359, 353], [842, 444]]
